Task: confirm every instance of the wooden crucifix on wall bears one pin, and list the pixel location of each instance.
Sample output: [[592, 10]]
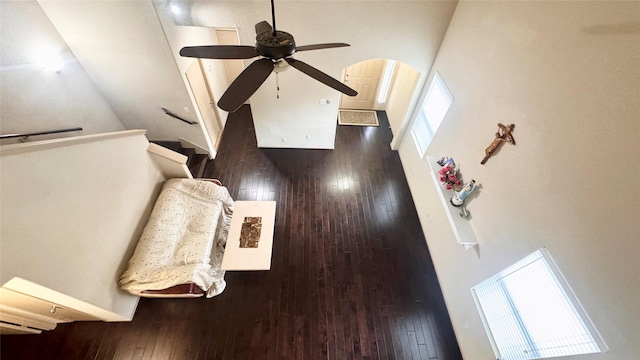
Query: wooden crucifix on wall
[[503, 135]]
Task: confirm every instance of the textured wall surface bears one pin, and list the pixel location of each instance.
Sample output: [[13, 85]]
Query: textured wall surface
[[566, 74], [34, 99], [123, 48]]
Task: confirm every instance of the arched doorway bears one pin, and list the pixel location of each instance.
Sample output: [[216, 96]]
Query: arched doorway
[[392, 86]]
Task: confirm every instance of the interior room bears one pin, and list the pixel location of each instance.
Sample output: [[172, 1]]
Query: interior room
[[565, 74]]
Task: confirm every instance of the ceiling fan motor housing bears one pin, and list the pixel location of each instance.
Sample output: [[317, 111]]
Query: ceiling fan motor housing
[[275, 46]]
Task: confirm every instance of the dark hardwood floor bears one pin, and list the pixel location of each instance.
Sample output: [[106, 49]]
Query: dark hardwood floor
[[351, 275]]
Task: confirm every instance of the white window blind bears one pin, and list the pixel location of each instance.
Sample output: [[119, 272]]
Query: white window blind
[[529, 312], [421, 133], [433, 110]]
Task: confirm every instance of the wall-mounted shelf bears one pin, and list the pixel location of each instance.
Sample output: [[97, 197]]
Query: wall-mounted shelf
[[461, 227]]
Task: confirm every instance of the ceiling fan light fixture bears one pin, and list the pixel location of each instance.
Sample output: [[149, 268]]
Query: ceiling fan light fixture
[[275, 47], [281, 65]]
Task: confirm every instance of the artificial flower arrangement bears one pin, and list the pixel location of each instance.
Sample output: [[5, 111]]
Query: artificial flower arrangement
[[449, 176]]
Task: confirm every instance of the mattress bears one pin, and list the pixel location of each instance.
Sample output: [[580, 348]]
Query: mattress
[[183, 240]]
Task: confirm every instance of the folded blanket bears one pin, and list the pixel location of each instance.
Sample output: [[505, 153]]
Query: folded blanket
[[184, 239]]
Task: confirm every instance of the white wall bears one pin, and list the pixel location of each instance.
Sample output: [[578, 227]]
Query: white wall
[[34, 99], [566, 74], [123, 49], [71, 213], [179, 36], [402, 30], [401, 96]]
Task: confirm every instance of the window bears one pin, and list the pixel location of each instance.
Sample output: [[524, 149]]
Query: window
[[386, 81], [529, 312], [431, 114]]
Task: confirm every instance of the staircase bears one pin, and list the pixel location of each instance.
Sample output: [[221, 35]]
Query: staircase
[[196, 163]]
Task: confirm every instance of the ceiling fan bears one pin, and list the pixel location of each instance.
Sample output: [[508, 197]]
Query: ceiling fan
[[272, 46]]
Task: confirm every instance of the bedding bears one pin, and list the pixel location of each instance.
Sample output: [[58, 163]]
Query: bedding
[[183, 240]]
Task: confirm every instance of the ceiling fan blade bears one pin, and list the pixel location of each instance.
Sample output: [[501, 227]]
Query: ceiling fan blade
[[219, 52], [246, 84], [320, 46], [320, 76], [263, 26]]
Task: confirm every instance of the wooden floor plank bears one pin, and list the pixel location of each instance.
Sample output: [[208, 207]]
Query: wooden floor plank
[[351, 274]]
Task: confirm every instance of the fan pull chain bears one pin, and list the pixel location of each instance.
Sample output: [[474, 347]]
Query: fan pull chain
[[277, 87]]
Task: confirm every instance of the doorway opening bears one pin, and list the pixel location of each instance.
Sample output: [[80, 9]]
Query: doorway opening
[[366, 77], [382, 85]]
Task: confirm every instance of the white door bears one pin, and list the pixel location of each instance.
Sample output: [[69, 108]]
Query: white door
[[363, 77], [204, 100], [232, 68]]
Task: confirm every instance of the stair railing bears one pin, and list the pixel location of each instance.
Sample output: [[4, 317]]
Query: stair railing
[[168, 112], [26, 136]]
